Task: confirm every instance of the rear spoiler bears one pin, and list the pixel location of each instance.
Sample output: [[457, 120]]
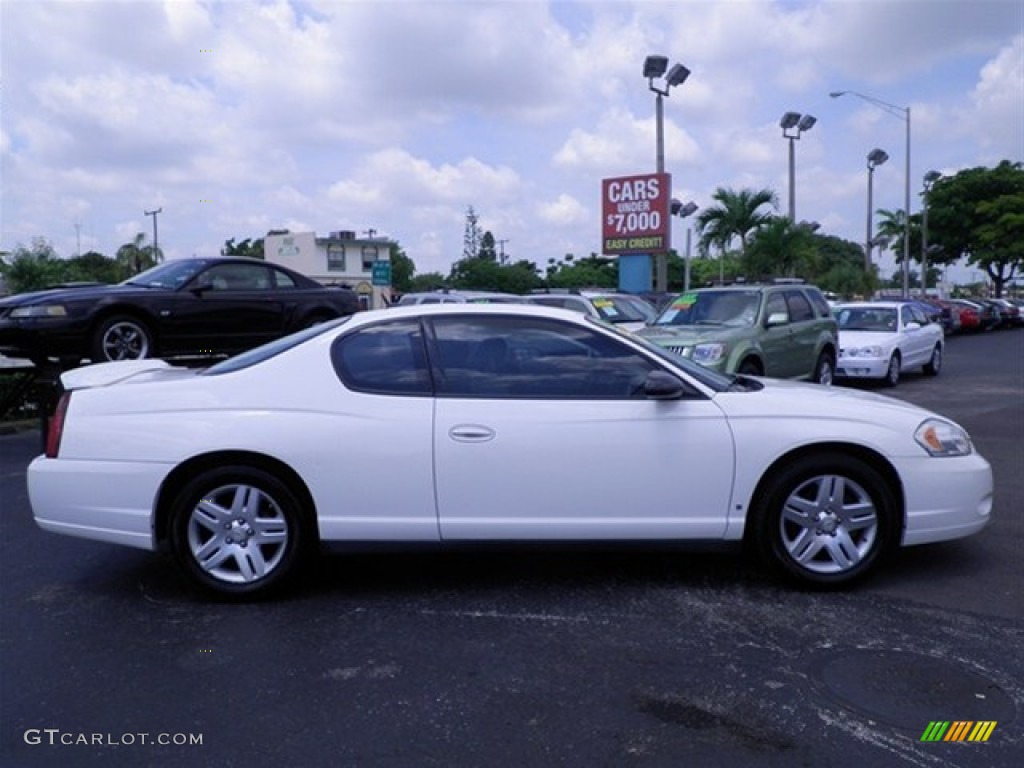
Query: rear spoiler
[[104, 374]]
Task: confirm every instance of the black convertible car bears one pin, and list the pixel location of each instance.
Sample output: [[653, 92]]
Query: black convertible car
[[185, 307]]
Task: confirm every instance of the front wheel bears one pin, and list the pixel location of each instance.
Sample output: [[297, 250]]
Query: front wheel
[[825, 520], [892, 373], [238, 531], [121, 338]]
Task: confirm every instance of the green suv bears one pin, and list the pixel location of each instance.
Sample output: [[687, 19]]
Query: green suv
[[784, 330]]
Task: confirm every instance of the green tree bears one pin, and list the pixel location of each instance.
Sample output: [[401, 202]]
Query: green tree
[[592, 272], [840, 268], [978, 213], [33, 268], [735, 215], [472, 235], [402, 269], [780, 248], [487, 275], [428, 281], [487, 247], [248, 247], [93, 266], [136, 257]]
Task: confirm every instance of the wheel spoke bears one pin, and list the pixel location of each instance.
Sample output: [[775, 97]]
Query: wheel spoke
[[213, 554], [269, 530], [800, 511], [251, 564], [805, 547], [211, 516], [842, 550], [856, 517]]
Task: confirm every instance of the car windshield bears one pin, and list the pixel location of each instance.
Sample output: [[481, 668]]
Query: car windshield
[[614, 309], [881, 319], [171, 274], [271, 349], [735, 309]]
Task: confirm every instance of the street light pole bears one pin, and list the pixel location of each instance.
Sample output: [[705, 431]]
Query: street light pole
[[156, 245], [929, 178], [904, 114], [682, 211], [875, 158], [790, 121], [655, 66]]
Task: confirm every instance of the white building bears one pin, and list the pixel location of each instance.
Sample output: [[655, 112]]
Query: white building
[[341, 258]]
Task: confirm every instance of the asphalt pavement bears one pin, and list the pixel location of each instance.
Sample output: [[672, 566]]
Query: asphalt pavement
[[529, 657]]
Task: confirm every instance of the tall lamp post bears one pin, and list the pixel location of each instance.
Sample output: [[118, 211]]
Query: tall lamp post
[[929, 178], [155, 243], [875, 158], [800, 123], [655, 67], [682, 210], [904, 114]]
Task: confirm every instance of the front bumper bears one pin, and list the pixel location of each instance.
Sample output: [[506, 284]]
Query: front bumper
[[862, 367], [33, 339], [946, 498]]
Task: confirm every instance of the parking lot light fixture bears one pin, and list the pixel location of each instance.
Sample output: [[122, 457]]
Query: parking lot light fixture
[[904, 114], [790, 122], [876, 157], [655, 66], [682, 210]]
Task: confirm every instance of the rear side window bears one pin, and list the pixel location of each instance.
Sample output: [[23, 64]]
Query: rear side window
[[819, 302], [799, 307], [383, 359]]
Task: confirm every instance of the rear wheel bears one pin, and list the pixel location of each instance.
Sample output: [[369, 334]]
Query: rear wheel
[[825, 520], [121, 338], [238, 530], [750, 367], [824, 370], [934, 365]]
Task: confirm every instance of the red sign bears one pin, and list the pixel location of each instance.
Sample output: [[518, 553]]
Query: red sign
[[636, 214]]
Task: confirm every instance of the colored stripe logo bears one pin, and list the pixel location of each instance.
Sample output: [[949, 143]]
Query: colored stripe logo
[[958, 730]]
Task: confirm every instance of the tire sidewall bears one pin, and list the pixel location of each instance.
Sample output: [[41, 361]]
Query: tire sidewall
[[767, 512], [298, 530], [892, 373], [97, 353]]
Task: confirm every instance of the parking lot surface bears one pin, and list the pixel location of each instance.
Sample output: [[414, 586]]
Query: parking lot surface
[[538, 656]]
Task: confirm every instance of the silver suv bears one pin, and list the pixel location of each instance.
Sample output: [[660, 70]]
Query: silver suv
[[784, 330]]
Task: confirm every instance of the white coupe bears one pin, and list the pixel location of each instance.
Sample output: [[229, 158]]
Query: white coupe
[[456, 423], [881, 339]]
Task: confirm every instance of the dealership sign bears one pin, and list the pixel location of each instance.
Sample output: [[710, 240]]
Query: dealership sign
[[635, 214]]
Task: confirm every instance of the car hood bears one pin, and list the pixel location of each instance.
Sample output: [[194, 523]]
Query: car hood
[[687, 334], [65, 295], [783, 399]]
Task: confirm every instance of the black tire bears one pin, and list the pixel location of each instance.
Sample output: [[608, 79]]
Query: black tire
[[122, 337], [225, 545], [824, 520], [824, 370], [892, 373], [750, 367], [934, 365]]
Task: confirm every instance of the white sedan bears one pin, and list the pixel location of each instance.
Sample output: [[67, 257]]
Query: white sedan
[[881, 339], [456, 423]]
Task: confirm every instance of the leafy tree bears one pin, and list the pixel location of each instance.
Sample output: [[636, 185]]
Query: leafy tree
[[979, 214], [471, 236], [780, 248], [248, 247], [33, 268], [487, 249], [592, 272], [736, 215], [93, 266], [428, 281], [402, 269], [486, 275], [135, 257], [840, 267]]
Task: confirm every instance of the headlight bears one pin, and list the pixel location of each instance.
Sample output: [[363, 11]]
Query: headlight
[[864, 352], [39, 310], [940, 438], [708, 353]]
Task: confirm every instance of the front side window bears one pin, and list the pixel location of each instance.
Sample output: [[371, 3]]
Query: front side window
[[384, 359], [238, 277], [519, 357]]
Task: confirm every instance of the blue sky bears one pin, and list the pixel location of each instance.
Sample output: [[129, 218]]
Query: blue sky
[[239, 117]]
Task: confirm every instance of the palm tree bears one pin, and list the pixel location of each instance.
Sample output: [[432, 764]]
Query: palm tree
[[134, 257], [737, 214], [780, 249]]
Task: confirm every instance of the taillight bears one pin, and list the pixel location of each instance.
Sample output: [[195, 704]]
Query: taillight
[[55, 430]]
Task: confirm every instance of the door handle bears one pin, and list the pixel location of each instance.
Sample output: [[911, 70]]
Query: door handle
[[471, 433]]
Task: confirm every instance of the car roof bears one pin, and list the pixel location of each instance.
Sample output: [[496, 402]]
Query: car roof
[[455, 308]]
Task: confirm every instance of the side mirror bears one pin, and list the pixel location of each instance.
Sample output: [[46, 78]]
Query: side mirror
[[660, 385], [777, 318], [912, 326], [201, 285]]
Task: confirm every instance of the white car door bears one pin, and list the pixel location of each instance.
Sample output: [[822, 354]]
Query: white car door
[[917, 341], [539, 435]]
